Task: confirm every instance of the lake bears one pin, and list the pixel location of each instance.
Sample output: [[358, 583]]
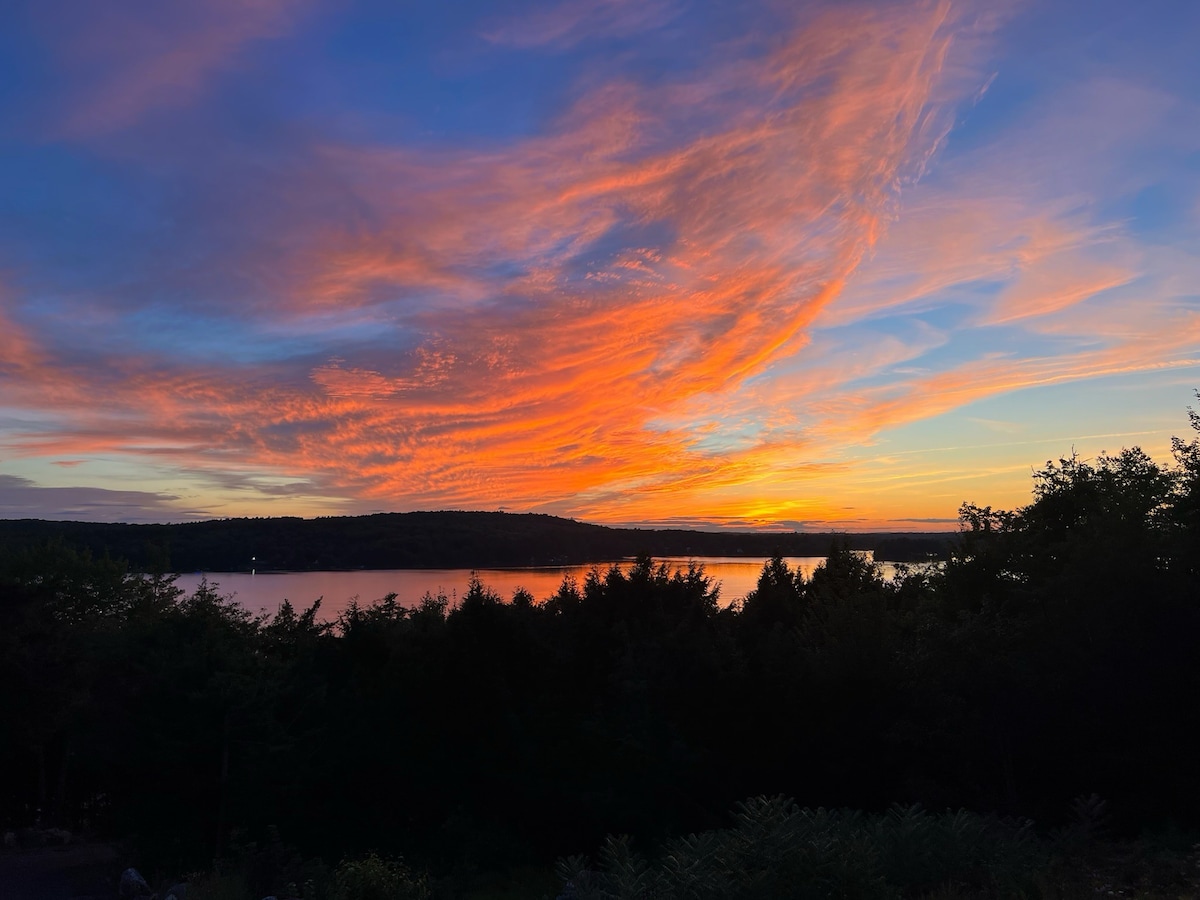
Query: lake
[[264, 592]]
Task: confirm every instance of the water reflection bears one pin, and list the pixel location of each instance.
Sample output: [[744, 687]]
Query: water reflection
[[264, 592]]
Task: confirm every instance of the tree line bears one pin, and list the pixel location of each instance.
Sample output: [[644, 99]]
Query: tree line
[[1052, 656], [443, 539]]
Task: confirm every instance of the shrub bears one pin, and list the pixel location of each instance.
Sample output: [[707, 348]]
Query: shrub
[[375, 877]]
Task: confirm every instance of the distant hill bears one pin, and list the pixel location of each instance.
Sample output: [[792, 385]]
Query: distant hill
[[427, 540]]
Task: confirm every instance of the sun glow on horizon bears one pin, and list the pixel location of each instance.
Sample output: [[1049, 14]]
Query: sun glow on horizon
[[833, 266]]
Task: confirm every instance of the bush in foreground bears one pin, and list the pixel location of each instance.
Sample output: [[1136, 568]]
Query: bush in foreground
[[775, 849]]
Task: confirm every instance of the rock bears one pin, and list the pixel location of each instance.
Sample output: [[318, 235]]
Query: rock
[[133, 885], [177, 892]]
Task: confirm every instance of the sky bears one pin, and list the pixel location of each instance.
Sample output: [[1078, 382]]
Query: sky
[[762, 264]]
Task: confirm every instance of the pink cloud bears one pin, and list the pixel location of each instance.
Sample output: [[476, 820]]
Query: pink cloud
[[651, 263], [20, 356], [563, 25], [125, 60]]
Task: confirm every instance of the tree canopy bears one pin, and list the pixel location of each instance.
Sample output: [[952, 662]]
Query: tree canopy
[[1052, 656]]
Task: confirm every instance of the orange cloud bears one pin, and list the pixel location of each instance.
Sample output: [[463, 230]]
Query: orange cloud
[[585, 321], [18, 354]]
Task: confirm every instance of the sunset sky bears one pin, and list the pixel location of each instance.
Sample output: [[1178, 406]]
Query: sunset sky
[[659, 262]]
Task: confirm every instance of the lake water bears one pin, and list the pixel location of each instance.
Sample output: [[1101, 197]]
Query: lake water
[[264, 592]]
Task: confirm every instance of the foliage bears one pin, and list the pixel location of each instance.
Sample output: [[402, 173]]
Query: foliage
[[776, 849], [420, 540], [1049, 658], [374, 877]]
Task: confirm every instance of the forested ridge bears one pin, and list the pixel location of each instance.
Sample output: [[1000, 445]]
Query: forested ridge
[[445, 539], [1049, 665]]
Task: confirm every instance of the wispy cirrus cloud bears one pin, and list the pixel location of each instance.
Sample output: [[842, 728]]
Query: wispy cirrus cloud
[[122, 61], [553, 299], [687, 297], [18, 353], [563, 25]]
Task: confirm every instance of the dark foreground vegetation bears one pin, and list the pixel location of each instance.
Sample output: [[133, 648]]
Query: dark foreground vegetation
[[1051, 662], [418, 540]]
